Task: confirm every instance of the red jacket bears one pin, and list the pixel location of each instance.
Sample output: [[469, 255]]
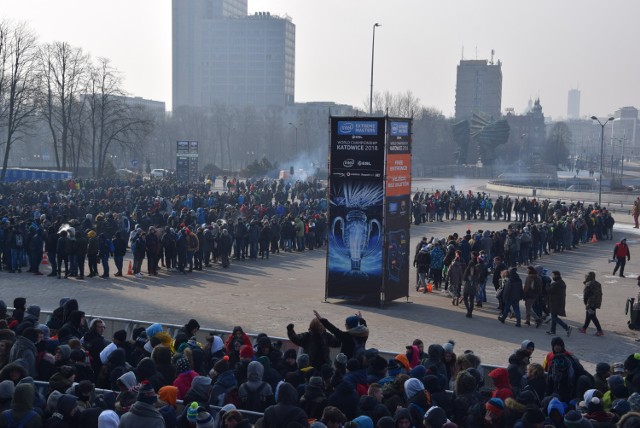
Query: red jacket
[[621, 250]]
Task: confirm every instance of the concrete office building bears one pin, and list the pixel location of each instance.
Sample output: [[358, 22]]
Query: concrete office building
[[478, 89], [573, 104], [223, 56]]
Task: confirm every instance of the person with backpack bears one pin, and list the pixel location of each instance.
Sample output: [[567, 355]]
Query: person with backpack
[[556, 296], [93, 246], [592, 297], [621, 255], [120, 249], [255, 394]]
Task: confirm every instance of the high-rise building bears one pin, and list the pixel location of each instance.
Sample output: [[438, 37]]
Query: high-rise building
[[573, 104], [223, 56], [478, 89]]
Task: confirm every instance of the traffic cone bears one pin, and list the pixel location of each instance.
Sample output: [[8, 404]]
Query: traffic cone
[[593, 238], [45, 259], [130, 270]]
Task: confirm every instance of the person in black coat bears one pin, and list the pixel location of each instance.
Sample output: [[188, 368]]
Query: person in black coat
[[354, 338], [346, 399], [316, 342], [286, 411]]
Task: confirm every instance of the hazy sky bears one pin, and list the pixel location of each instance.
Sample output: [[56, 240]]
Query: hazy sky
[[546, 46]]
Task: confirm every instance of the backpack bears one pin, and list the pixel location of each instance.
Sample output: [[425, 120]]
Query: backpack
[[8, 418], [253, 400], [232, 397], [19, 240]]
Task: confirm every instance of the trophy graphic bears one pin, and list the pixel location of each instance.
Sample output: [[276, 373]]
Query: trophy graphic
[[354, 235]]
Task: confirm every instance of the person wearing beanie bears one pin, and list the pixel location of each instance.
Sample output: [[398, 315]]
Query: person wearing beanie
[[418, 399], [603, 371], [185, 376], [67, 411], [362, 422], [204, 419], [190, 328], [355, 336], [435, 417], [494, 409], [143, 413], [314, 400], [224, 380]]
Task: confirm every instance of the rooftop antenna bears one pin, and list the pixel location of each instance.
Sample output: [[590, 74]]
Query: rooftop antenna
[[462, 52], [476, 52], [492, 54]]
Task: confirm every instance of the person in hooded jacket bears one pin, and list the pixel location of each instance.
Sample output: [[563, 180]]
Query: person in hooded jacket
[[224, 381], [76, 326], [467, 397], [345, 398], [286, 410], [161, 356], [93, 247], [115, 367], [199, 391], [255, 385], [146, 371], [500, 377], [418, 399], [393, 393], [143, 412], [511, 285], [316, 342], [355, 337], [314, 400], [271, 375], [435, 357], [24, 349], [439, 395], [21, 411]]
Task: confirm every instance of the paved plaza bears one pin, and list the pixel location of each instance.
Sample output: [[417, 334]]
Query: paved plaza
[[266, 295]]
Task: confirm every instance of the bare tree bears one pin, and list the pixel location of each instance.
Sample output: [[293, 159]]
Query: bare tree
[[113, 123], [62, 77], [17, 84]]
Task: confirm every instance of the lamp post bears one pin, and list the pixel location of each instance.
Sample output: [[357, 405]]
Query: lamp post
[[373, 49], [296, 128], [602, 125]]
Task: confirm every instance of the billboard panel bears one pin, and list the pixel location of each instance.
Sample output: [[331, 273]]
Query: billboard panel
[[397, 207], [356, 195]]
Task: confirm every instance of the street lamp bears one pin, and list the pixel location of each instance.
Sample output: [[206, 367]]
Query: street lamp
[[296, 128], [602, 125], [373, 49]]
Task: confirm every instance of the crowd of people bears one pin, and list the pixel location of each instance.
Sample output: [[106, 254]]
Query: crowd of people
[[151, 379]]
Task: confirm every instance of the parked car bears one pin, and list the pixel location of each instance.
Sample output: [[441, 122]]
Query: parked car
[[158, 173]]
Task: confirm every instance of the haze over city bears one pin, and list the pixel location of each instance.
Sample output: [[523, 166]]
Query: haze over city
[[546, 47]]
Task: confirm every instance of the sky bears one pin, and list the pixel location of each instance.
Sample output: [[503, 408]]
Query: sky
[[546, 47]]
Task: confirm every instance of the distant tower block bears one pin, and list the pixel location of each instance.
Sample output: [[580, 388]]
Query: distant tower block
[[573, 104]]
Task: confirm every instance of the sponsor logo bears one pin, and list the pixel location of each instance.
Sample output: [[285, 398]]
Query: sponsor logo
[[348, 163], [364, 163], [400, 128], [345, 127]]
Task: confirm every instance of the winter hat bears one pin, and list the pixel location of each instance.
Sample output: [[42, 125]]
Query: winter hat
[[527, 344], [316, 381], [352, 365], [192, 412], [153, 329], [66, 404], [77, 355], [84, 389], [120, 336], [317, 424], [573, 419], [290, 353], [222, 365], [352, 321], [435, 417], [448, 347], [378, 363], [192, 324], [591, 276], [108, 419], [393, 367], [182, 365], [412, 387], [246, 352], [341, 359], [634, 402], [362, 422], [106, 352], [418, 372], [303, 361], [386, 422], [602, 368], [204, 419], [146, 394], [615, 380], [404, 362], [168, 394], [52, 400], [34, 310], [495, 406], [371, 353], [620, 407]]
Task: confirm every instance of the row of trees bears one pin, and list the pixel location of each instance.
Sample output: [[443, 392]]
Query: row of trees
[[78, 100]]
